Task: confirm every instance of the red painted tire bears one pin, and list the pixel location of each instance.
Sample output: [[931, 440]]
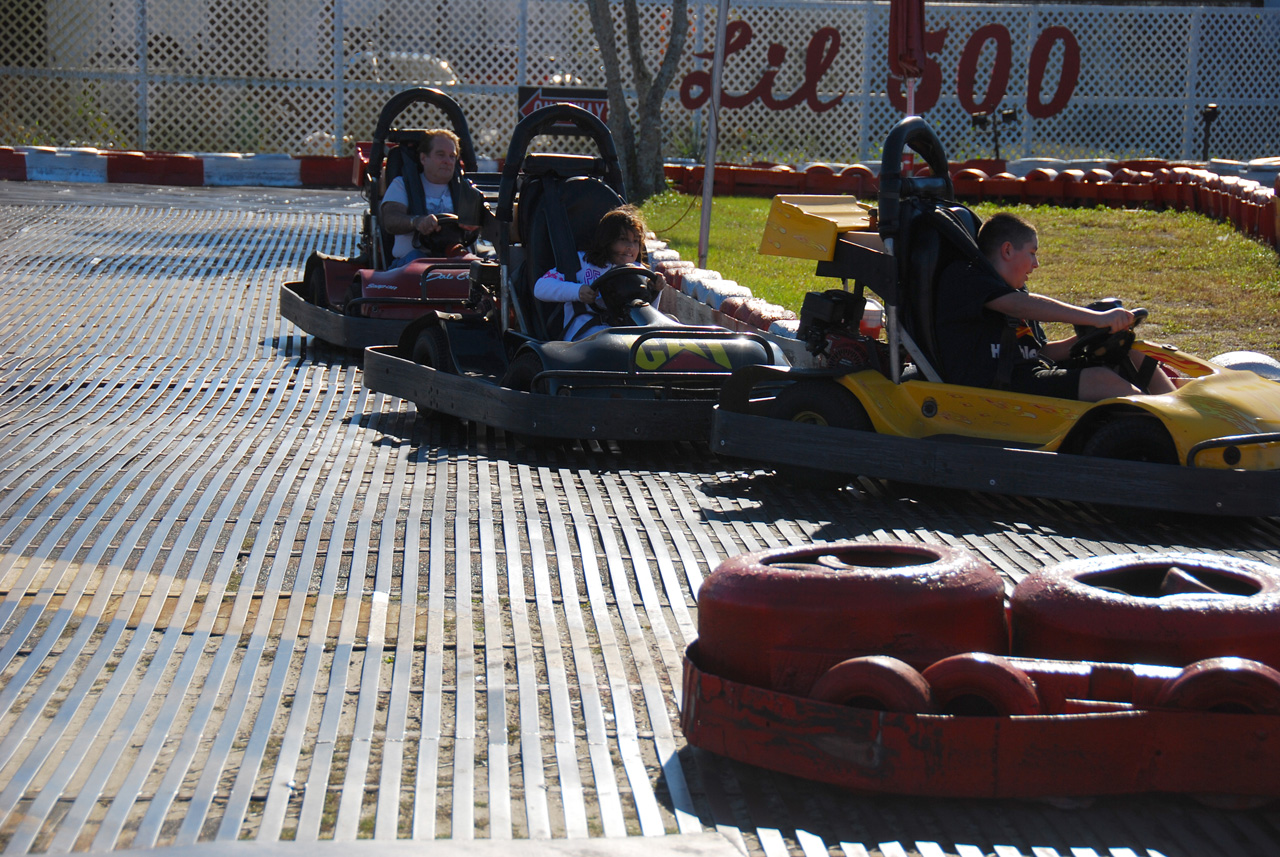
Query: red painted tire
[[1224, 684], [876, 682], [982, 685], [1172, 609], [781, 618]]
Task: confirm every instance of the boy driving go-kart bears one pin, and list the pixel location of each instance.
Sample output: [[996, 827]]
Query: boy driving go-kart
[[989, 332], [953, 400]]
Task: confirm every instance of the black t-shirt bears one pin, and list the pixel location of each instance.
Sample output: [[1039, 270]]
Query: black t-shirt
[[969, 336]]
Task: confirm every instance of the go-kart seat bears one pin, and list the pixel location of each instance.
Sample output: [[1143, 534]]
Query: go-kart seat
[[557, 215], [401, 161], [936, 234]]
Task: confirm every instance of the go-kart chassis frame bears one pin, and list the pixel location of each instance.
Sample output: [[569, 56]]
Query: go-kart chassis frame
[[738, 430], [482, 399]]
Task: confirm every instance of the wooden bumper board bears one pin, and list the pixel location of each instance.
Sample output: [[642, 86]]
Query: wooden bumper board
[[346, 331], [999, 470], [481, 400]]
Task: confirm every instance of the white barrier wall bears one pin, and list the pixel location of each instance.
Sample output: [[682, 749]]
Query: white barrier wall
[[804, 81]]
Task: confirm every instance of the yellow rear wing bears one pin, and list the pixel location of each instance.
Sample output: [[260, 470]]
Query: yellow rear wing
[[808, 226]]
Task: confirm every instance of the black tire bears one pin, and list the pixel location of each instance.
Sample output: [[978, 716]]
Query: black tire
[[821, 403], [519, 376], [1132, 438], [431, 348], [522, 371], [314, 288]]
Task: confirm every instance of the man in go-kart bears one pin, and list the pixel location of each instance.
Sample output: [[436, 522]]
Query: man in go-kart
[[989, 332], [451, 208]]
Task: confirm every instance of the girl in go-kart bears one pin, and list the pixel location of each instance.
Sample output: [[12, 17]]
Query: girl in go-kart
[[618, 240]]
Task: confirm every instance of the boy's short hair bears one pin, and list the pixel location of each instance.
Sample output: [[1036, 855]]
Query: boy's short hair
[[1004, 227], [624, 218]]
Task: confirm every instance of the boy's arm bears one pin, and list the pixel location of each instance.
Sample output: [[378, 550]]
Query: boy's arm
[[1022, 304]]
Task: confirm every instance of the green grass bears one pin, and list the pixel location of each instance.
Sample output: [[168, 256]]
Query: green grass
[[1208, 289]]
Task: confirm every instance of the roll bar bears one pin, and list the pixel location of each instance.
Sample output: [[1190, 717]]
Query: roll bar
[[561, 120]]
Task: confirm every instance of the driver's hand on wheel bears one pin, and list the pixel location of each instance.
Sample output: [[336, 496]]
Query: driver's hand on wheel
[[425, 224], [1116, 320], [587, 295]]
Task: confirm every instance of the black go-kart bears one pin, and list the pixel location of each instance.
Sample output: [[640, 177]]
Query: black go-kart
[[647, 377], [358, 301]]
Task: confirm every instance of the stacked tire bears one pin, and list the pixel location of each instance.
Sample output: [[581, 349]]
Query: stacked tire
[[905, 627]]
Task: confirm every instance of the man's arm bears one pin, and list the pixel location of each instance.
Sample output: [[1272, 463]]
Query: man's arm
[[396, 220]]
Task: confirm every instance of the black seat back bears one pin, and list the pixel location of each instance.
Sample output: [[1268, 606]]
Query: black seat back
[[932, 235], [557, 216]]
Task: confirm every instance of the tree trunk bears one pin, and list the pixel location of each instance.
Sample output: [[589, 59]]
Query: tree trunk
[[641, 154]]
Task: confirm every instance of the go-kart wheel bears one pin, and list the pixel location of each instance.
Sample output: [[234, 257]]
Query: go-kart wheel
[[519, 376], [522, 371], [977, 684], [1232, 685], [431, 348], [782, 618], [1171, 609], [876, 682], [315, 289], [820, 403], [1132, 438]]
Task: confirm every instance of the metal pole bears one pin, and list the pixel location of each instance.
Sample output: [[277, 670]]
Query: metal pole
[[709, 158], [339, 74], [143, 84]]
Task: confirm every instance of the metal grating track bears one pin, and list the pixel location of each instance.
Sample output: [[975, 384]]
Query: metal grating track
[[244, 598]]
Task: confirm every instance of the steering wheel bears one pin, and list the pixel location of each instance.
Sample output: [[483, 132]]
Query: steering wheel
[[1098, 346], [450, 234], [624, 287]]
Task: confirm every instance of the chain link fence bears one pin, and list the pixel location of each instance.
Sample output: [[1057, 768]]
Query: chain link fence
[[804, 81]]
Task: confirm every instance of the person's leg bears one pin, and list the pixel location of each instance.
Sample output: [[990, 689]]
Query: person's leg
[[1160, 382], [1099, 382]]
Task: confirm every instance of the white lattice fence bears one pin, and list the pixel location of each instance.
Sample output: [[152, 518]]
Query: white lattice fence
[[804, 81]]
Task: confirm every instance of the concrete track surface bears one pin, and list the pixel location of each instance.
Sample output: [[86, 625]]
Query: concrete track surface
[[248, 602]]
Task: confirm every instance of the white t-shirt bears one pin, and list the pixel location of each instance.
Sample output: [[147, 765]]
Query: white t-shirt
[[439, 201]]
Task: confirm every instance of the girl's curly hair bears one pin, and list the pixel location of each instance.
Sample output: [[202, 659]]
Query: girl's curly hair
[[615, 223]]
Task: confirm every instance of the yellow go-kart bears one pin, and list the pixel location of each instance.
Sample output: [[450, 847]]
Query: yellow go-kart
[[880, 408]]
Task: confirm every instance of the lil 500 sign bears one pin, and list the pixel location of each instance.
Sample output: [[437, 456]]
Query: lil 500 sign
[[821, 52]]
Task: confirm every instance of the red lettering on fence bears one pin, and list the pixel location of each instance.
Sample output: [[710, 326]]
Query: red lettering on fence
[[695, 89], [966, 75], [1066, 82]]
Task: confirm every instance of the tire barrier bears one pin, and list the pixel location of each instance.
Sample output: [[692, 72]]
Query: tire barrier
[[980, 684], [1171, 609], [875, 682], [779, 619], [1232, 685]]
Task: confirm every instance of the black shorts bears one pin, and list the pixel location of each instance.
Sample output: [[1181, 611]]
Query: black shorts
[[1046, 379]]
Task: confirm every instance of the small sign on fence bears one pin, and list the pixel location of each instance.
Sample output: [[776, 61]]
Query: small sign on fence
[[531, 98]]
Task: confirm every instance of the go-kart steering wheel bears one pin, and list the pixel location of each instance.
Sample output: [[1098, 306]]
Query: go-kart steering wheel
[[624, 287], [1098, 346], [450, 234]]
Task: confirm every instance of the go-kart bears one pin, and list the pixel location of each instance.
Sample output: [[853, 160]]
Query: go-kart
[[901, 668], [644, 377], [360, 300], [885, 410]]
